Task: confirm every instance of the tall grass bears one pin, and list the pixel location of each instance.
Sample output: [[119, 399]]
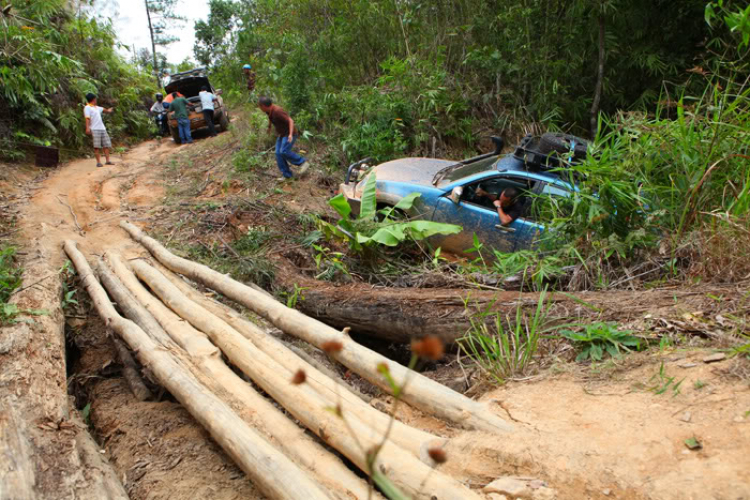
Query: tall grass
[[503, 346], [652, 183]]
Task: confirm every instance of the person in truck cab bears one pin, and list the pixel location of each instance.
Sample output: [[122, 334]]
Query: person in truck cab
[[509, 205]]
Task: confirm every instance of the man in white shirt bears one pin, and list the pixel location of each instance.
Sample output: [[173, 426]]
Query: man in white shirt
[[207, 103], [96, 129]]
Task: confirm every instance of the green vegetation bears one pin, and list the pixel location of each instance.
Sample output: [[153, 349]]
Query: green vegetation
[[661, 383], [374, 227], [596, 339], [385, 78], [50, 58], [504, 347], [10, 280]]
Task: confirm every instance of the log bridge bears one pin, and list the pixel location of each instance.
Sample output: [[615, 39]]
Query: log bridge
[[182, 337]]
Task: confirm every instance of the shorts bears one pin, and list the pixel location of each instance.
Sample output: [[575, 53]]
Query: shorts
[[101, 139]]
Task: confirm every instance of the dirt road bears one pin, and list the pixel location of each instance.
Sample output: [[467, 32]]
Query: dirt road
[[86, 203], [607, 431]]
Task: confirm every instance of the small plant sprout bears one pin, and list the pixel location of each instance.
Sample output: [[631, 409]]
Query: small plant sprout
[[663, 383]]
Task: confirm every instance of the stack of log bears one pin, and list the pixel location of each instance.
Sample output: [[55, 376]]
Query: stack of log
[[182, 338]]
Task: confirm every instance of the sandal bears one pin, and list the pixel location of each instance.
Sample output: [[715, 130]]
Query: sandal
[[109, 163], [99, 165]]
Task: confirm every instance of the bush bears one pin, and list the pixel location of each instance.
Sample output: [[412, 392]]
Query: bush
[[48, 66]]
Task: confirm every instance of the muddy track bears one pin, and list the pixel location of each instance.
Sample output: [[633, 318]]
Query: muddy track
[[589, 433], [158, 451]]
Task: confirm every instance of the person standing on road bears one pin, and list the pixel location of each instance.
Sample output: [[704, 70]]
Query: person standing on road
[[180, 107], [96, 129], [207, 104], [280, 119], [250, 74]]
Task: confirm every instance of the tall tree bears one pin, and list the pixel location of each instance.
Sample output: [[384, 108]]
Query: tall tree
[[162, 16], [211, 36]]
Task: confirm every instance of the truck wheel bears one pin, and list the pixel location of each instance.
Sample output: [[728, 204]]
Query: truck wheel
[[224, 122], [561, 143], [175, 134]]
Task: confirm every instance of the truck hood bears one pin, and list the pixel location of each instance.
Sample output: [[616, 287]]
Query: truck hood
[[411, 170]]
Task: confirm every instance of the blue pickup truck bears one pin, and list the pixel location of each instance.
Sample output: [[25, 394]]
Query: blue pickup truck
[[449, 189]]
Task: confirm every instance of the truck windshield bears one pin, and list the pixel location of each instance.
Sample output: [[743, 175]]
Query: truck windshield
[[460, 170]]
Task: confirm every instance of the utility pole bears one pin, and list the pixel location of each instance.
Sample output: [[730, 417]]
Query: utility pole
[[153, 44]]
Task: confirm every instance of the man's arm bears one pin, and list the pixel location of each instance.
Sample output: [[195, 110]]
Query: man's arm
[[505, 219], [482, 192], [109, 110], [88, 125], [291, 128]]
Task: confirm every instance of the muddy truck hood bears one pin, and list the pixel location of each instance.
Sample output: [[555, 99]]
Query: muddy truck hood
[[411, 170]]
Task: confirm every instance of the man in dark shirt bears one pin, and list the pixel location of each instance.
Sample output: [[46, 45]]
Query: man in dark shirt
[[284, 125], [509, 204], [180, 107]]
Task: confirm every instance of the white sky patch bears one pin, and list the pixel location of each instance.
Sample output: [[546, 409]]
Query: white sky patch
[[131, 25]]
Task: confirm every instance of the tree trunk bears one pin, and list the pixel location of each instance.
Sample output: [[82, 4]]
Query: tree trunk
[[347, 433], [405, 436], [16, 467], [44, 452], [423, 393], [599, 75], [271, 471], [256, 409], [153, 44], [400, 315]]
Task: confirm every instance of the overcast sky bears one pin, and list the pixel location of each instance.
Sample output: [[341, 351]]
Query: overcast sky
[[131, 25]]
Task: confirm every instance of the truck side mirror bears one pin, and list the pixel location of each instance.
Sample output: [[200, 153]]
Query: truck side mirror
[[499, 143], [455, 195]]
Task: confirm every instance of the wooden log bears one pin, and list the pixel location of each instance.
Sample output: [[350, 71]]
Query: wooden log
[[407, 437], [338, 426], [34, 389], [16, 466], [271, 471], [130, 372], [399, 315], [422, 393], [287, 436]]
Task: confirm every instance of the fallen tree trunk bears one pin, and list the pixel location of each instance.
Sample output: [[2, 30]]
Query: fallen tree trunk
[[399, 315], [422, 393], [150, 313], [342, 428], [270, 470], [54, 457], [16, 467]]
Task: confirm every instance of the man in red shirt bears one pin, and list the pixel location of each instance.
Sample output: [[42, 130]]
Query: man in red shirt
[[284, 125]]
